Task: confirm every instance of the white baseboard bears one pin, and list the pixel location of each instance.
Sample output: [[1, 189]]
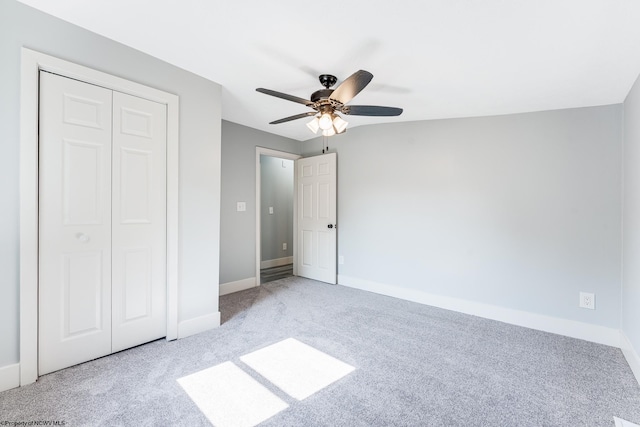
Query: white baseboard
[[189, 327], [270, 263], [632, 356], [556, 325], [238, 285], [9, 377]]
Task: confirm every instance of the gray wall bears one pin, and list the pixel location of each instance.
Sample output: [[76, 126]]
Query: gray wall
[[276, 178], [631, 248], [199, 153], [519, 211], [238, 229]]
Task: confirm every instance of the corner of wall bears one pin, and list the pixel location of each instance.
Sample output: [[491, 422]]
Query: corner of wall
[[630, 283], [632, 356]]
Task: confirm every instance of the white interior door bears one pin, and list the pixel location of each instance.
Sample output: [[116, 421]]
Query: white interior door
[[138, 221], [316, 212], [102, 219], [74, 223]]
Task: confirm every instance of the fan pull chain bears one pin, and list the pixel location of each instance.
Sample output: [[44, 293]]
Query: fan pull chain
[[325, 144]]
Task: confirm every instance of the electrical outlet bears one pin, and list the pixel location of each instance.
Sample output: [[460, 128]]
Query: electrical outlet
[[341, 259], [587, 300], [241, 206], [284, 246]]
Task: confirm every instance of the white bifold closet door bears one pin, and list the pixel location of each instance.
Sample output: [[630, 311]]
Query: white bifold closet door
[[102, 222]]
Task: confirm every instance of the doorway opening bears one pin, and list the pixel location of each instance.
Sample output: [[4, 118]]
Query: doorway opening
[[276, 218], [275, 215]]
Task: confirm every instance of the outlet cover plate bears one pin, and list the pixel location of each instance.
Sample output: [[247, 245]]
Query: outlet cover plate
[[588, 300]]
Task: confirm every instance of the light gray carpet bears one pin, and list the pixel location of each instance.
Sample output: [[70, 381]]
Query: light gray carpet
[[414, 366]]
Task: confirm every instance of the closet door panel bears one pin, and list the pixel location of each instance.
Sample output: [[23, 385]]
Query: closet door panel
[[139, 221], [74, 222]]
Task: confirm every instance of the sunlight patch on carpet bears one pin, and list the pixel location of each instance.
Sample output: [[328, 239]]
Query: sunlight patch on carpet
[[296, 368], [624, 423], [229, 397]]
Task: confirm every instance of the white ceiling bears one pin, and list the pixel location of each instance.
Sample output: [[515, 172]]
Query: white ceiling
[[434, 58]]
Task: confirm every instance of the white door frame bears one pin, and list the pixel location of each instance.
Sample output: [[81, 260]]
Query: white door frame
[[261, 151], [32, 63]]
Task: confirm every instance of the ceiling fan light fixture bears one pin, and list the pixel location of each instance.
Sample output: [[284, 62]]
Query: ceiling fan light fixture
[[314, 125], [329, 132], [339, 124], [325, 102], [326, 121]]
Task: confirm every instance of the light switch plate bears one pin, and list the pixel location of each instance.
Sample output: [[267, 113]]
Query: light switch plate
[[270, 210], [241, 206]]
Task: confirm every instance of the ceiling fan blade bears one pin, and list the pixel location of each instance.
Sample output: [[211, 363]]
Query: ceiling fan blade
[[285, 96], [351, 86], [296, 117], [371, 110]]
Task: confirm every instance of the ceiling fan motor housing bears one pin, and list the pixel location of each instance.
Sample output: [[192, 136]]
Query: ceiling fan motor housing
[[321, 94]]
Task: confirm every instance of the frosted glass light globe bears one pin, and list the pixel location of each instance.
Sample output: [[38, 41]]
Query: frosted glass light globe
[[326, 122]]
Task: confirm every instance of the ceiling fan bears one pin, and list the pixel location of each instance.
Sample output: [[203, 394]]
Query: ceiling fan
[[327, 102]]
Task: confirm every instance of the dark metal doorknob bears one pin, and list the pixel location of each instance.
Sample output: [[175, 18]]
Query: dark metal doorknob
[[330, 225]]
